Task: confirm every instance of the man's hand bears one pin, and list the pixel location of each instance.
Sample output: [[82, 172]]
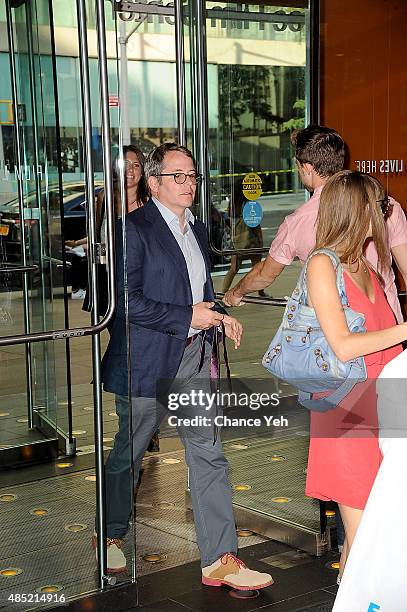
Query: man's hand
[[259, 278], [230, 299], [205, 318], [233, 329]]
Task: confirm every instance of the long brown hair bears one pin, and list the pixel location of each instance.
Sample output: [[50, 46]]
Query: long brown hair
[[143, 192], [349, 202]]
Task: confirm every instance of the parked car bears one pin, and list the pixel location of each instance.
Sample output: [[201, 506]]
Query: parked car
[[72, 226]]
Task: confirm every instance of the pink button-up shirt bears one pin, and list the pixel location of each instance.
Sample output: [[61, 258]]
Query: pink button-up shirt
[[297, 234]]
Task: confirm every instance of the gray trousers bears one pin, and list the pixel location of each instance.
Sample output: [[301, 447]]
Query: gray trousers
[[211, 493]]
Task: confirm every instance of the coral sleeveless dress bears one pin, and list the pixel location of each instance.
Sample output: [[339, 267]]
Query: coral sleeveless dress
[[344, 455]]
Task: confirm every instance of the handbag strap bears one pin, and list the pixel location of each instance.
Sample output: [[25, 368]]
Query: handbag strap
[[330, 401], [225, 358], [219, 336], [300, 293]]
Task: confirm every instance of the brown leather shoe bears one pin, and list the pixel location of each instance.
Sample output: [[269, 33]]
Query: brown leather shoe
[[230, 570]]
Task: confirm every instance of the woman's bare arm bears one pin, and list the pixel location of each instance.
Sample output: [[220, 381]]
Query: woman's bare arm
[[323, 296]]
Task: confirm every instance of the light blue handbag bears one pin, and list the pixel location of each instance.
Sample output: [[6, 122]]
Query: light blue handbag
[[300, 354]]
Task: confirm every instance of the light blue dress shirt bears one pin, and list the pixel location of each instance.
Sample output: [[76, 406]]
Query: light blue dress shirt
[[191, 251]]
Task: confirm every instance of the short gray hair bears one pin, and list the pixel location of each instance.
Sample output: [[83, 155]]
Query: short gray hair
[[155, 159]]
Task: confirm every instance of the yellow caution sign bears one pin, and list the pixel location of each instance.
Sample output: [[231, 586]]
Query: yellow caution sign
[[252, 186]]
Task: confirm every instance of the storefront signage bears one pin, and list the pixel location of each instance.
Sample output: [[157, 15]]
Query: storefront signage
[[381, 166], [252, 186], [252, 214], [238, 17], [113, 100], [24, 173]]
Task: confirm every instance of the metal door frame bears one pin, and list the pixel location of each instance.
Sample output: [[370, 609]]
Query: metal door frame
[[200, 130], [199, 48], [97, 325]]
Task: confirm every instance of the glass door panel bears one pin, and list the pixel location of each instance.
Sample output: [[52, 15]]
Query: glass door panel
[[256, 66], [256, 74], [247, 68], [30, 208], [49, 523]]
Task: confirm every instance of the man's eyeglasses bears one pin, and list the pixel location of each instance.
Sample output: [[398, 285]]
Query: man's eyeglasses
[[385, 206], [180, 177]]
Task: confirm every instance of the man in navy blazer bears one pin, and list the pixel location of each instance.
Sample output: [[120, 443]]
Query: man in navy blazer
[[171, 317]]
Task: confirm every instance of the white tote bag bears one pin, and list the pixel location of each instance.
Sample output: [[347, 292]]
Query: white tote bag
[[375, 577]]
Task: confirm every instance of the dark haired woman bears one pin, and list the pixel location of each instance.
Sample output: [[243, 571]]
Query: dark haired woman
[[136, 194], [131, 162], [344, 454]]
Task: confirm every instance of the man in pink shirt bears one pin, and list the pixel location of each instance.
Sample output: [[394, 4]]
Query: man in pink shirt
[[319, 153]]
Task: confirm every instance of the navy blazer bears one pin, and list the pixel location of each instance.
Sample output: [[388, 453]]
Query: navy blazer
[[159, 303]]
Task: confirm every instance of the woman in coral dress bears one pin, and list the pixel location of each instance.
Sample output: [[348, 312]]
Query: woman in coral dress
[[344, 454]]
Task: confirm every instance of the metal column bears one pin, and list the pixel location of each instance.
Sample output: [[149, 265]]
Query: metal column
[[18, 140], [180, 68], [104, 579], [202, 107]]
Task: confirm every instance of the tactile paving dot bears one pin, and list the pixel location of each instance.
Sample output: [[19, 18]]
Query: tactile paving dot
[[242, 487], [10, 572], [39, 511], [164, 505], [8, 497], [49, 588], [75, 527], [333, 565], [244, 533], [154, 558]]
